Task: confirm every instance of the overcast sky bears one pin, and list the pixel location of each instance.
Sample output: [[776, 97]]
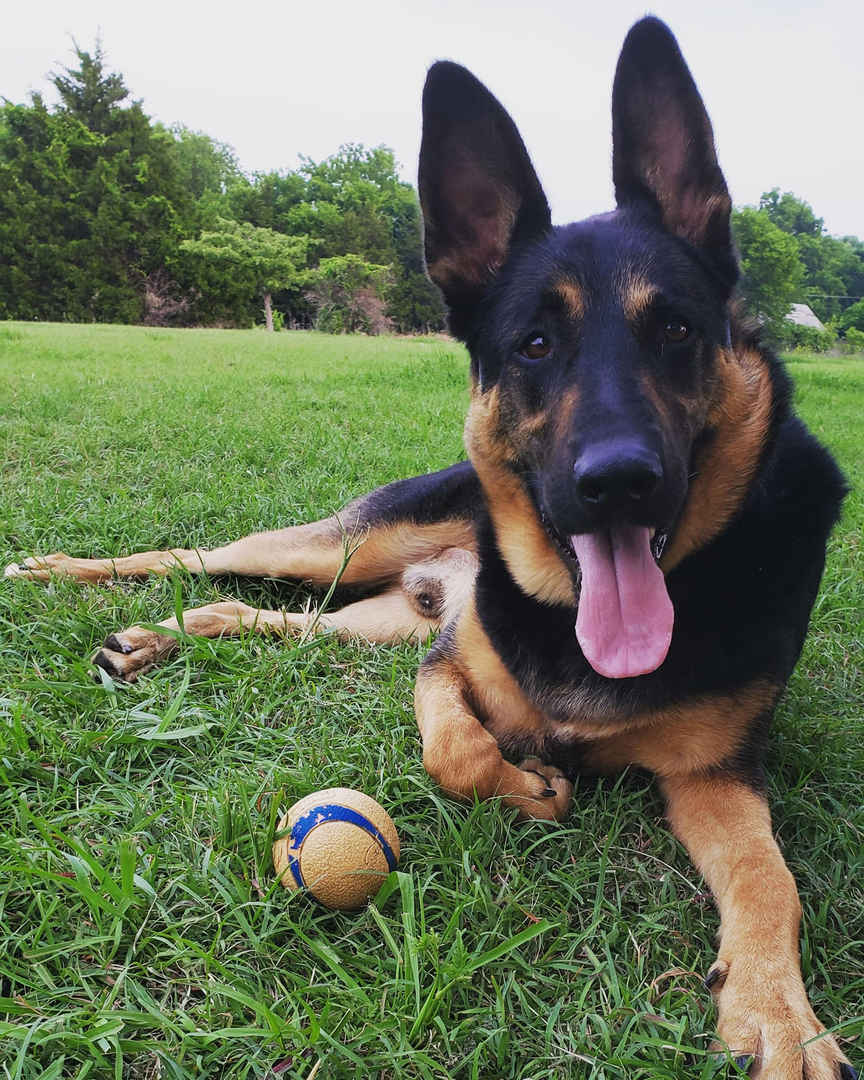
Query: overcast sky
[[783, 81]]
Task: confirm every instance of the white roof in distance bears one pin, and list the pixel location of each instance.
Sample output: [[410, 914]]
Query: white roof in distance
[[802, 315]]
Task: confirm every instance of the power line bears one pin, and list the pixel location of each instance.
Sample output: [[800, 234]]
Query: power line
[[832, 296]]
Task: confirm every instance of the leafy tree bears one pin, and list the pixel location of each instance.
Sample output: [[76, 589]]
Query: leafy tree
[[771, 270], [833, 268], [252, 259], [855, 281], [854, 341], [380, 222], [830, 271], [267, 200], [204, 165], [791, 214], [811, 338], [415, 303], [352, 203]]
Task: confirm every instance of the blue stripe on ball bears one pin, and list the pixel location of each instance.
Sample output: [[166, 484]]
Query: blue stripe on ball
[[318, 815]]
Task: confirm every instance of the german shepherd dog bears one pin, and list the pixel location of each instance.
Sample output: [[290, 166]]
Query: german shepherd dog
[[636, 472]]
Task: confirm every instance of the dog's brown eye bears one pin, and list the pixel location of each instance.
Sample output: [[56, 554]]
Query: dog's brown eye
[[676, 332], [535, 347]]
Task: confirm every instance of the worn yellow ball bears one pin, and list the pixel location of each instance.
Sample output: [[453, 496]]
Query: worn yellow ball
[[341, 846]]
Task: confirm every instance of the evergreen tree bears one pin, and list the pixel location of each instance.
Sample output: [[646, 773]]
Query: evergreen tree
[[91, 94], [92, 200]]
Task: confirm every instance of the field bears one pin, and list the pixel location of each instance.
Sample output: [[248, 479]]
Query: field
[[142, 934]]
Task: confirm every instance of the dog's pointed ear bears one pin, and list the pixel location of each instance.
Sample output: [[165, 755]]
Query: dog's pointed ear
[[478, 189], [663, 143]]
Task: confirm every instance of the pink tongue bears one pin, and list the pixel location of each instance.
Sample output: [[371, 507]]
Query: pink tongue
[[624, 624]]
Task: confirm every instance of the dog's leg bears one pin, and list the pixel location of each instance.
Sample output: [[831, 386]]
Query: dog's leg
[[429, 595], [130, 653], [764, 1013], [312, 552], [385, 531], [464, 758], [305, 553], [387, 617]]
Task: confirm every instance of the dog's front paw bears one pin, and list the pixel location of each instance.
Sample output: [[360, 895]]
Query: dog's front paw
[[548, 792], [767, 1027], [130, 653]]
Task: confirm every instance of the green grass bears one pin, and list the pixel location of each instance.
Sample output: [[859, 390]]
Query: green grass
[[141, 931]]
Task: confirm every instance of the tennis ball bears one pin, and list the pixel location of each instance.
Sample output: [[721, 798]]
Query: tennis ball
[[340, 847]]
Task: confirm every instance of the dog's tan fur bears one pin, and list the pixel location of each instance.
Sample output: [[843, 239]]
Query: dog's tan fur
[[418, 598], [740, 416], [763, 1006]]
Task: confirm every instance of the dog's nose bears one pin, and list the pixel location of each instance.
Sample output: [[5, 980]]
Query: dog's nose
[[615, 477]]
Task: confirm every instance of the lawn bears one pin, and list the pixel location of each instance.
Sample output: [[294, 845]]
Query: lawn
[[142, 934]]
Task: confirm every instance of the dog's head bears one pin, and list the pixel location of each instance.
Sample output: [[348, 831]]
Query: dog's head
[[601, 354]]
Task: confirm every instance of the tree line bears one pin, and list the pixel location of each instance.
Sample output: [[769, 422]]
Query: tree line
[[786, 258], [108, 216]]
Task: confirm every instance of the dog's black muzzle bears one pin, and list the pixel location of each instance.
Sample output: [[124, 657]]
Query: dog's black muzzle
[[615, 479]]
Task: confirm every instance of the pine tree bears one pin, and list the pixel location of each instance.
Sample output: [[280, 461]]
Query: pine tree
[[91, 94]]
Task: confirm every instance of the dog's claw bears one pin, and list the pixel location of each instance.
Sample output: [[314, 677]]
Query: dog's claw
[[551, 797], [715, 978], [115, 645], [848, 1073], [744, 1062]]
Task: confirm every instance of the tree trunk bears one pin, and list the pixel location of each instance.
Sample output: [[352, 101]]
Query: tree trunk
[[268, 312]]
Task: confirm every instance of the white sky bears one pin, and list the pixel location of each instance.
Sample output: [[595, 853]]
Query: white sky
[[783, 79]]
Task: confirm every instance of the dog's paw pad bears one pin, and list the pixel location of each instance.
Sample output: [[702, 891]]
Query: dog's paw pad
[[548, 789], [18, 570], [532, 764], [548, 773]]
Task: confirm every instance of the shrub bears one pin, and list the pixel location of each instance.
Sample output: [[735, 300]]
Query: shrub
[[854, 341], [852, 318], [811, 338], [350, 295]]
